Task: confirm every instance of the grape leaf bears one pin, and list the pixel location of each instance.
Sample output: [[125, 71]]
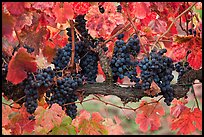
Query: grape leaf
[[149, 115], [80, 8], [8, 23], [19, 122], [137, 9], [65, 128], [15, 8], [34, 38], [6, 110], [102, 25], [21, 63], [113, 128], [195, 59], [177, 107], [47, 18], [188, 121], [47, 119], [49, 52], [89, 125], [42, 5], [183, 44], [158, 26], [24, 19], [63, 12]]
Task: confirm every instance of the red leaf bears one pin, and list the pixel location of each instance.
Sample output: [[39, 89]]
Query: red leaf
[[24, 19], [8, 23], [188, 43], [113, 128], [15, 8], [20, 124], [158, 26], [63, 13], [195, 59], [138, 9], [198, 118], [80, 8], [188, 121], [35, 38], [21, 63], [42, 5], [48, 18], [102, 25], [177, 108], [149, 115]]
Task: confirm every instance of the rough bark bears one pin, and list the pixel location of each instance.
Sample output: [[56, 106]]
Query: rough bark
[[130, 94]]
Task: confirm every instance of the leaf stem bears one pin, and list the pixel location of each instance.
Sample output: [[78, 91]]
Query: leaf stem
[[17, 35], [196, 100], [9, 105]]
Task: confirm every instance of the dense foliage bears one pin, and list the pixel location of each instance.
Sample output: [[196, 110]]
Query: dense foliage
[[51, 50]]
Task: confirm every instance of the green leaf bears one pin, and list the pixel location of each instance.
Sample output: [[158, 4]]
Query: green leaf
[[65, 128], [199, 12], [6, 101]]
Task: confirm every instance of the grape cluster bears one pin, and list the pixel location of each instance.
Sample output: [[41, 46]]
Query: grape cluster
[[121, 63], [45, 77], [80, 25], [63, 55], [133, 45], [89, 65], [158, 68], [31, 94], [63, 93], [69, 33], [182, 68]]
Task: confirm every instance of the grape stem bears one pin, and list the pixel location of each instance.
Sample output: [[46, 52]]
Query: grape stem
[[120, 31], [73, 44], [172, 24], [133, 25]]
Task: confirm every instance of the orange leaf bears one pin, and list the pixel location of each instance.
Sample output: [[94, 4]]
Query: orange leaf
[[89, 125], [20, 63], [6, 110], [63, 12], [112, 127], [48, 118]]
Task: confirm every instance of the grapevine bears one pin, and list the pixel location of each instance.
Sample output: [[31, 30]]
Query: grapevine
[[56, 54]]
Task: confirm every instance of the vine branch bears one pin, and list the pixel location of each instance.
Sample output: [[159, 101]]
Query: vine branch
[[131, 94]]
